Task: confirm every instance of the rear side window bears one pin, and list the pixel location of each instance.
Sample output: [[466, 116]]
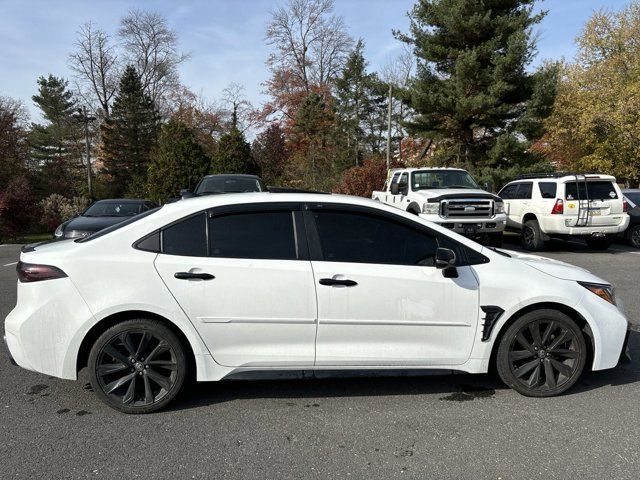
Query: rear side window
[[548, 189], [362, 238], [264, 235], [590, 190], [187, 237], [524, 191]]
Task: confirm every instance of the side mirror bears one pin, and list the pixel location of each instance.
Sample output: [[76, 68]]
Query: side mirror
[[394, 189], [186, 194], [446, 261], [403, 188], [488, 186]]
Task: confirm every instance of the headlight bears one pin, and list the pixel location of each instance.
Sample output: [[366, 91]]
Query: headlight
[[431, 208], [605, 292], [499, 207], [59, 231]]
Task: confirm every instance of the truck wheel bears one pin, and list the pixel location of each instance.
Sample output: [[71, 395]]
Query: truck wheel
[[532, 236], [494, 239], [599, 243], [633, 235]]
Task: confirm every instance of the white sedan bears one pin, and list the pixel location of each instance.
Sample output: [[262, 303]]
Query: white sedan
[[218, 285]]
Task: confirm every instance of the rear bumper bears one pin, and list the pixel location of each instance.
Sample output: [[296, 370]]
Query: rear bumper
[[5, 341], [625, 356], [555, 225]]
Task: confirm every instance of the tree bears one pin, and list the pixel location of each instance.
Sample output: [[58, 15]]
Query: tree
[[270, 153], [364, 179], [595, 124], [472, 86], [129, 135], [16, 207], [238, 110], [152, 47], [14, 148], [234, 154], [56, 145], [178, 162], [95, 64]]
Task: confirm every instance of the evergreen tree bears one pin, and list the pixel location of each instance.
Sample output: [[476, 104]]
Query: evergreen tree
[[473, 88], [55, 145], [234, 154], [178, 162], [270, 153], [129, 135]]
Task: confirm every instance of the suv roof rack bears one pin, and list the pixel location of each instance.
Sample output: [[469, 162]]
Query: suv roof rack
[[552, 175], [293, 190]]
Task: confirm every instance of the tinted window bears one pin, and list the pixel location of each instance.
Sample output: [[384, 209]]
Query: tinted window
[[508, 192], [590, 190], [114, 209], [634, 198], [548, 189], [228, 185], [150, 243], [403, 184], [524, 191], [253, 235], [363, 238], [187, 237]]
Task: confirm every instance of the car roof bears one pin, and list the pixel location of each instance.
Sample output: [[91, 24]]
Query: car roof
[[231, 175], [631, 190], [565, 178], [122, 200], [414, 169]]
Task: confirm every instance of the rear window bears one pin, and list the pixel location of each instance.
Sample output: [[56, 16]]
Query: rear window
[[601, 190], [548, 189]]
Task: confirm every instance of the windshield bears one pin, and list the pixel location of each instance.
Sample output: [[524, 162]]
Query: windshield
[[114, 209], [228, 185], [117, 226], [434, 179]]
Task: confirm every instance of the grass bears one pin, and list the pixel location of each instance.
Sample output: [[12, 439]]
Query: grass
[[29, 238]]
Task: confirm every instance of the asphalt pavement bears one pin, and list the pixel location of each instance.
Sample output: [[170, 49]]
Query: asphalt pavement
[[439, 426]]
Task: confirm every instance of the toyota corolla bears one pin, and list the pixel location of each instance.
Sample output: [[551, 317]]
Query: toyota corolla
[[214, 286]]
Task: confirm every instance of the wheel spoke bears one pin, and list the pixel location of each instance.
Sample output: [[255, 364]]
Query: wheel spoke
[[523, 341], [560, 339], [547, 333], [516, 355], [111, 387], [148, 393], [534, 379], [115, 354], [527, 367], [129, 397], [125, 338], [166, 364], [565, 370], [142, 346], [159, 379], [550, 376], [563, 352], [159, 348], [534, 328], [109, 368]]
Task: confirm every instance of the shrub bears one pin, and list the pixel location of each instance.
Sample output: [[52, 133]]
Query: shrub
[[364, 179], [57, 209], [17, 207]]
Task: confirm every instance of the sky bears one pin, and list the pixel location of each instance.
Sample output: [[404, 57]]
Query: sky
[[226, 37]]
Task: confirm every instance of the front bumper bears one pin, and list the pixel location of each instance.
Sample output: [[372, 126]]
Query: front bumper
[[470, 226]]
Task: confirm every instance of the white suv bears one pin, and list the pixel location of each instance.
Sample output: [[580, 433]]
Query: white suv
[[563, 206]]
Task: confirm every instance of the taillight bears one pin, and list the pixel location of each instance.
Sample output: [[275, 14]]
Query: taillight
[[625, 205], [30, 272], [558, 208]]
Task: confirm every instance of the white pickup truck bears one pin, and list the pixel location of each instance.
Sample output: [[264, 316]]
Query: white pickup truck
[[449, 197]]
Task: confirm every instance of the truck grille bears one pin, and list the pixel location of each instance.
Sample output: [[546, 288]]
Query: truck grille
[[466, 208]]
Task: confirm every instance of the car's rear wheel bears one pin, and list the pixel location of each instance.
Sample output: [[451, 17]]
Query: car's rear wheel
[[532, 236], [599, 243], [137, 366], [634, 236], [542, 354]]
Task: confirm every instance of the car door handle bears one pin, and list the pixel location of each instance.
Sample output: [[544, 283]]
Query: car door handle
[[337, 282], [193, 275]]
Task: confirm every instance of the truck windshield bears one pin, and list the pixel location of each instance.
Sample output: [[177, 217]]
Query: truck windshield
[[213, 185], [433, 179]]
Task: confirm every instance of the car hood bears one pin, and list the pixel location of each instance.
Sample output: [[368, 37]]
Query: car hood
[[92, 224], [556, 268], [453, 193]]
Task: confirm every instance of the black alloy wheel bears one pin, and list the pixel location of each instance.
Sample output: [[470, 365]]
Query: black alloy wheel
[[137, 366], [532, 236], [634, 236], [542, 354]]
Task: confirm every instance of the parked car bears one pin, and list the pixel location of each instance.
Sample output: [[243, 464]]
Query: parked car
[[449, 197], [102, 214], [225, 183], [632, 233], [565, 205], [220, 285]]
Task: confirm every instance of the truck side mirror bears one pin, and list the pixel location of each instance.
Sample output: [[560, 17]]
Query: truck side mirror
[[394, 189], [186, 194], [403, 188], [446, 261]]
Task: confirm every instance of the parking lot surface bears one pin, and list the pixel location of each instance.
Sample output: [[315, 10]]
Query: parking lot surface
[[435, 426]]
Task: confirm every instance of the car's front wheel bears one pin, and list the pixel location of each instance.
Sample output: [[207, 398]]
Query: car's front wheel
[[542, 354], [137, 366], [634, 236]]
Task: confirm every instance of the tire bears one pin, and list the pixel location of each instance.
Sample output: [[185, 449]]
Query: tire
[[137, 366], [633, 236], [599, 243], [542, 354], [494, 239], [532, 236]]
